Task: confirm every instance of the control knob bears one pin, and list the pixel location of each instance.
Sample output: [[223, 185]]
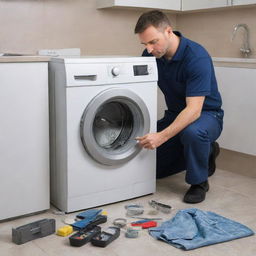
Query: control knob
[[115, 71]]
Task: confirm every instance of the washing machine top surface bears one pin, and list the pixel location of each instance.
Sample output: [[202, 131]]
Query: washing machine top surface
[[102, 59], [98, 70]]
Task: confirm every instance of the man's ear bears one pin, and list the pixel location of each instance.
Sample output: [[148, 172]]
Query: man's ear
[[168, 30]]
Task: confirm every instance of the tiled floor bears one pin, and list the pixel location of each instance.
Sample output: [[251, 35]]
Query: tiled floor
[[231, 195]]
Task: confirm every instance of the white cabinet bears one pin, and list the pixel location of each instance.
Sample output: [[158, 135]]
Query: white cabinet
[[243, 2], [24, 138], [238, 90], [189, 5], [170, 5]]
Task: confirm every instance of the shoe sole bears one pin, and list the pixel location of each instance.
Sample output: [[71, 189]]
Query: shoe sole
[[189, 202]]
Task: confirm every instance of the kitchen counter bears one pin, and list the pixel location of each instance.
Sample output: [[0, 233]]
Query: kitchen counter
[[25, 58], [234, 62]]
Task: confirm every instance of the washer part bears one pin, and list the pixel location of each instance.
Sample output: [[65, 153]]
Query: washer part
[[120, 222], [110, 124], [98, 106]]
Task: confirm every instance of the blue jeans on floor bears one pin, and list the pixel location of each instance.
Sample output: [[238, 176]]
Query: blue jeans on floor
[[193, 228], [190, 149]]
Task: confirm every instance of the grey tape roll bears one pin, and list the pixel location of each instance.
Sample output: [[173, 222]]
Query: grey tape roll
[[131, 233], [120, 222], [134, 211]]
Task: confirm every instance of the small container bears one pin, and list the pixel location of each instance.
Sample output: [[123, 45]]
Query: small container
[[106, 237], [83, 237]]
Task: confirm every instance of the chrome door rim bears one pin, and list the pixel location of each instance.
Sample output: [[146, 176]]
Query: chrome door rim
[[141, 125]]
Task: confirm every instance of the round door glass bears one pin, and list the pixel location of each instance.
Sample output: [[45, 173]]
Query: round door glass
[[113, 125], [110, 123]]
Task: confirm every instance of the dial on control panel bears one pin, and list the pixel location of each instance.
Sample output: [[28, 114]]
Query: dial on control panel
[[115, 71]]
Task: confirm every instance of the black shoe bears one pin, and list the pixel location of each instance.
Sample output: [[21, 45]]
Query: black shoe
[[196, 193], [215, 150]]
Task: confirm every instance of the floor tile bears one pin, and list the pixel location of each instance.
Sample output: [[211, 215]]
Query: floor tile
[[231, 195]]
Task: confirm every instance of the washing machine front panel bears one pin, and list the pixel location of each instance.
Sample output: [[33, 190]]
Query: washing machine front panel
[[91, 183], [110, 124]]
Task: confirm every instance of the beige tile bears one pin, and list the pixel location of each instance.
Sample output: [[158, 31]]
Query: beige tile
[[23, 250], [237, 162], [229, 195], [236, 182]]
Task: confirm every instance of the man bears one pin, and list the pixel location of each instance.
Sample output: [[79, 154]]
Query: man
[[185, 137]]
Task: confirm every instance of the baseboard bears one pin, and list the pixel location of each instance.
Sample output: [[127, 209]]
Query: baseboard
[[237, 162]]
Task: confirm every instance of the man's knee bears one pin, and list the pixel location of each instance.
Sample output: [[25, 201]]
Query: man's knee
[[193, 133]]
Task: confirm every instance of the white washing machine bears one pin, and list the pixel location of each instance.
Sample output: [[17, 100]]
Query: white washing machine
[[98, 106]]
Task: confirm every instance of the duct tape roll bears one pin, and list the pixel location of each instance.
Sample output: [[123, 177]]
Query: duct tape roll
[[134, 209], [131, 233], [120, 222]]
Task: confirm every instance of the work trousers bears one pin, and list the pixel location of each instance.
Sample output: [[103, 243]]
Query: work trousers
[[190, 149]]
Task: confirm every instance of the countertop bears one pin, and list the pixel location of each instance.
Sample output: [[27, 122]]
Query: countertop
[[218, 61], [234, 62], [25, 58]]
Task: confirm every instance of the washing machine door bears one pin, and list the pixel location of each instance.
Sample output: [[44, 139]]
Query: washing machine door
[[111, 122]]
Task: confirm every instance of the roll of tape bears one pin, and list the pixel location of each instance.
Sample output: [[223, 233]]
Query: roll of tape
[[131, 233], [120, 222]]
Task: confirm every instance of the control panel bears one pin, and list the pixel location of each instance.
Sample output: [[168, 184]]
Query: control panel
[[140, 70]]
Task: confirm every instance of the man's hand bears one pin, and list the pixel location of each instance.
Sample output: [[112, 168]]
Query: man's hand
[[188, 115], [151, 140]]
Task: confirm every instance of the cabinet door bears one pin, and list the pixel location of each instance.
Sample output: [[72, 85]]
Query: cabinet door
[[174, 5], [24, 138], [238, 90], [243, 2], [189, 5]]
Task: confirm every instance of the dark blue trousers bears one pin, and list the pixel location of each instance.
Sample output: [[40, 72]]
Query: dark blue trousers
[[190, 149]]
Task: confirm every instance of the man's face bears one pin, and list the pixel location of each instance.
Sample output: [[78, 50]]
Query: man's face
[[156, 41]]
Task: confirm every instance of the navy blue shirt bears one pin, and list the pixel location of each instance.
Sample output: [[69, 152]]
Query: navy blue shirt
[[189, 73]]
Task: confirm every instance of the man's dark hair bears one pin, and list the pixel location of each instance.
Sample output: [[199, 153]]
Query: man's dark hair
[[153, 18]]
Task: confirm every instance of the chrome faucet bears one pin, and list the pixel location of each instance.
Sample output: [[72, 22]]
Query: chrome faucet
[[245, 50]]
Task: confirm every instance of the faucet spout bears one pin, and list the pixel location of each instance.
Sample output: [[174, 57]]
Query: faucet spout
[[245, 50]]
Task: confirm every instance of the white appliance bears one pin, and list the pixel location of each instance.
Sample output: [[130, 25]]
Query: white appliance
[[98, 105], [24, 139]]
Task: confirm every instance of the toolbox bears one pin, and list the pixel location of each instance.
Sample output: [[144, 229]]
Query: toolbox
[[84, 236], [31, 231], [106, 237]]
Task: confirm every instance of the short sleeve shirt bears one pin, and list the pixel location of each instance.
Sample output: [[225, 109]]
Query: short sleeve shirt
[[189, 73]]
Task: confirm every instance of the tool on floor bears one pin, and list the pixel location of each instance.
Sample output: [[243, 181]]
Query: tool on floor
[[85, 223], [134, 209], [143, 218], [88, 214], [160, 206], [82, 237], [65, 230], [144, 224], [106, 237], [131, 233], [120, 222], [31, 231]]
